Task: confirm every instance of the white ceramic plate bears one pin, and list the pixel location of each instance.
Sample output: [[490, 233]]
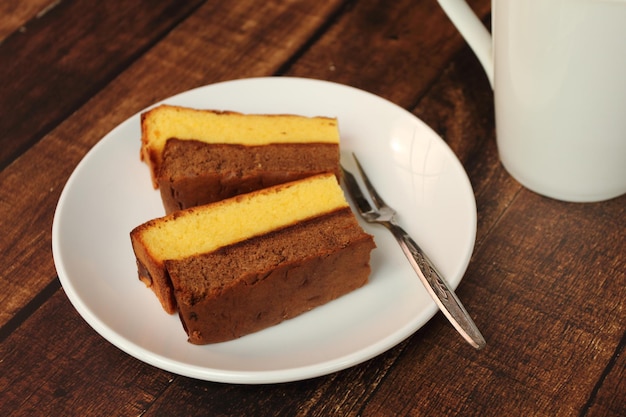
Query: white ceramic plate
[[110, 193]]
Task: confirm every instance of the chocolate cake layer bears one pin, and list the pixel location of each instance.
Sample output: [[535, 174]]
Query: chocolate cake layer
[[193, 173]]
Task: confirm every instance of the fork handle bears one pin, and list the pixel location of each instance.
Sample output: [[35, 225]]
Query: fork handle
[[438, 288]]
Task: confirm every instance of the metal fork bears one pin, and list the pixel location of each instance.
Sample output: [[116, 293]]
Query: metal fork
[[439, 290]]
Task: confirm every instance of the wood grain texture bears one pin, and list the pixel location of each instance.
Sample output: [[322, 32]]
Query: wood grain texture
[[17, 13], [63, 57], [69, 370], [342, 393], [394, 50], [546, 283], [609, 395]]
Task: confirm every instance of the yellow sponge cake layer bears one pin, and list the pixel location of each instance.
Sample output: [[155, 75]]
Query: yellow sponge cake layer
[[206, 228], [166, 122]]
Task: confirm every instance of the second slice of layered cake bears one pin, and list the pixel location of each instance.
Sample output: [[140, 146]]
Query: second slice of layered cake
[[242, 264]]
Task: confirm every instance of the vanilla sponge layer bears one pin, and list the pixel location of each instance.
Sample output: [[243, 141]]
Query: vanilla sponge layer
[[165, 122], [206, 228]]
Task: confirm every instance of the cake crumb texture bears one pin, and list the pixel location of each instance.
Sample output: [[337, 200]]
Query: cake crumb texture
[[227, 127], [203, 229], [206, 228], [251, 285]]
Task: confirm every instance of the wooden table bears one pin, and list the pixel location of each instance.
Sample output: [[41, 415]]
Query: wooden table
[[546, 283]]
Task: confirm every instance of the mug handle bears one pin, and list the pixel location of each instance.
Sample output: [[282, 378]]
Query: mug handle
[[474, 32]]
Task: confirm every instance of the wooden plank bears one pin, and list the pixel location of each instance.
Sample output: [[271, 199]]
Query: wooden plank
[[69, 370], [72, 51], [339, 394], [17, 13], [395, 50], [610, 397]]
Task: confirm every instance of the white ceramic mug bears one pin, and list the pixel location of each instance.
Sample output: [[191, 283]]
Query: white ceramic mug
[[558, 70]]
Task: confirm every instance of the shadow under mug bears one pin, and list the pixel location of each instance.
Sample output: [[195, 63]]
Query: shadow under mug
[[558, 71]]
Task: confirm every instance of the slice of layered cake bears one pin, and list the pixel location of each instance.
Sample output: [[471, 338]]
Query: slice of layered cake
[[202, 156], [249, 262]]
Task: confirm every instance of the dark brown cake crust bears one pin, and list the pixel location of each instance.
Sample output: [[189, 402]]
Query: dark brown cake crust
[[246, 287], [194, 173]]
